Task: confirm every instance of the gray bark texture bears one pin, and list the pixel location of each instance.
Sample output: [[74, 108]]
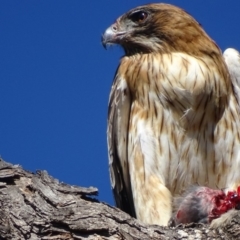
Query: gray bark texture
[[37, 206]]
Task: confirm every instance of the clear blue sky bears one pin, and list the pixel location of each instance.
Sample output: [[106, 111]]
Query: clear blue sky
[[55, 79]]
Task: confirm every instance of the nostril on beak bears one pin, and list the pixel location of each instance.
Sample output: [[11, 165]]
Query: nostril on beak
[[114, 27]]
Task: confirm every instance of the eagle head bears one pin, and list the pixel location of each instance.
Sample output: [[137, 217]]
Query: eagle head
[[158, 28]]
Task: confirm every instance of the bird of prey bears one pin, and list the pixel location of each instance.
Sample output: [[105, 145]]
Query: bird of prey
[[173, 117]]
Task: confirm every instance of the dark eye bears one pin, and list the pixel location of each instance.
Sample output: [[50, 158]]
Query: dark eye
[[138, 17]]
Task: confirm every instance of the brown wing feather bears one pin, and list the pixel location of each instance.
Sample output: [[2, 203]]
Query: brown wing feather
[[118, 117]]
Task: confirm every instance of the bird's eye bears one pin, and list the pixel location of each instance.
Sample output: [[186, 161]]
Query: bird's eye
[[138, 17]]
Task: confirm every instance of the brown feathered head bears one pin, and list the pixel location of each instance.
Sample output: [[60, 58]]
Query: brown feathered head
[[159, 28]]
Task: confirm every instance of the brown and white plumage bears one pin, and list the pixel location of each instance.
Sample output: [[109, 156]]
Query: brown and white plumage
[[173, 115]]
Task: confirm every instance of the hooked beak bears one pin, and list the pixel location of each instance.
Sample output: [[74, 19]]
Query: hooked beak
[[111, 36]]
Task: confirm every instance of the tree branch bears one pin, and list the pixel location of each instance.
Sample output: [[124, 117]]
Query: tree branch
[[37, 206]]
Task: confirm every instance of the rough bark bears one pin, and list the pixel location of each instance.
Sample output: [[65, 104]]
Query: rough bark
[[37, 206]]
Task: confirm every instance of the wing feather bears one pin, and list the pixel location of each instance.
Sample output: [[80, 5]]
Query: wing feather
[[232, 59], [117, 134]]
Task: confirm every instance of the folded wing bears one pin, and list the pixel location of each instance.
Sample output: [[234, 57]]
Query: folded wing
[[232, 59]]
